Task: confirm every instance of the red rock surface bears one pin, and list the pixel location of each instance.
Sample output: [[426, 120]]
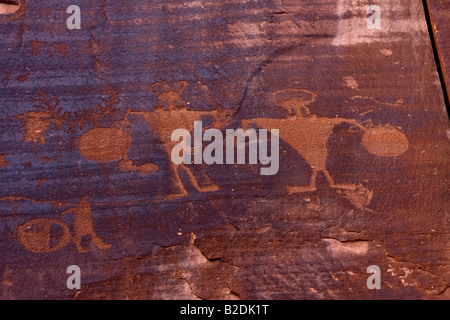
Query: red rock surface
[[440, 19], [86, 177]]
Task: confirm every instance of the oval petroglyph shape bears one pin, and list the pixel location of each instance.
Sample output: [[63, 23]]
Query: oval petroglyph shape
[[36, 235], [385, 141], [104, 144]]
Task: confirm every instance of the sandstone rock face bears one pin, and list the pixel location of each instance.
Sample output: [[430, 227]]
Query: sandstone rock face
[[86, 176], [439, 13]]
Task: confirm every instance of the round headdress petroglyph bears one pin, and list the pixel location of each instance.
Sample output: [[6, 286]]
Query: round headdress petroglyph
[[294, 99]]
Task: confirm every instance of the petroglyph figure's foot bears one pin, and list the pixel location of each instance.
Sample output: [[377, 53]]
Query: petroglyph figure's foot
[[211, 188], [174, 196], [81, 249], [351, 187], [300, 189], [145, 169], [360, 197], [100, 243]]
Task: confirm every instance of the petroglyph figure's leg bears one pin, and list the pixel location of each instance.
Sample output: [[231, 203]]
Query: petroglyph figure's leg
[[312, 184], [179, 183], [84, 226], [350, 187], [193, 179], [328, 176], [311, 187]]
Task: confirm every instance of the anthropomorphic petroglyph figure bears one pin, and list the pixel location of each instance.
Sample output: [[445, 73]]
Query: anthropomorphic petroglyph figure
[[308, 134], [167, 117], [84, 226]]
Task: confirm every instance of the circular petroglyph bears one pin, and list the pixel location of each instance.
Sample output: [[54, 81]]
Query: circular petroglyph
[[43, 235], [385, 141], [104, 144]]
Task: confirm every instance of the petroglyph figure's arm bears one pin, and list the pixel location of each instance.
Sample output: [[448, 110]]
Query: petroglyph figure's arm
[[262, 122], [65, 212], [350, 121], [222, 117], [148, 115]]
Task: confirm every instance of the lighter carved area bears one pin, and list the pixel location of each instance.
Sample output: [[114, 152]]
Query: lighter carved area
[[6, 8]]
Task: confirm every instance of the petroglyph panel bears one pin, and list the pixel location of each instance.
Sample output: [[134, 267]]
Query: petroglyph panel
[[86, 140]]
